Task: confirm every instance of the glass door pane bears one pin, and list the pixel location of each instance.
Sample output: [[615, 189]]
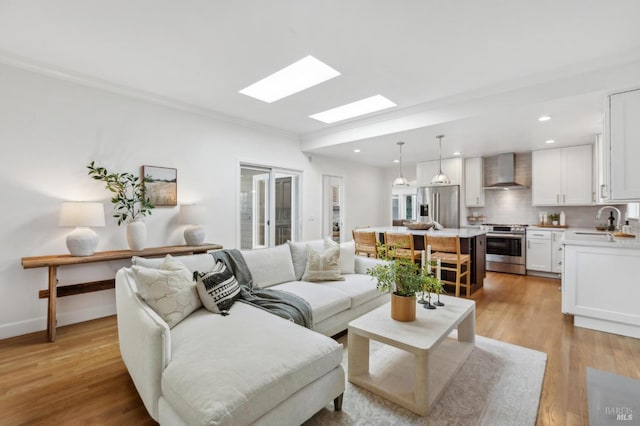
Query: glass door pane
[[266, 194], [286, 206], [254, 207], [333, 207]]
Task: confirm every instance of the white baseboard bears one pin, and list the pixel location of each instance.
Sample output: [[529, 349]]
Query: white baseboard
[[621, 329], [33, 325]]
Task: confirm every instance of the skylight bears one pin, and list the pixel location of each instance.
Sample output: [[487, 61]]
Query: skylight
[[354, 109], [301, 75]]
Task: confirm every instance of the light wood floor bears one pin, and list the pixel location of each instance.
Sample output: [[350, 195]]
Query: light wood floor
[[80, 379]]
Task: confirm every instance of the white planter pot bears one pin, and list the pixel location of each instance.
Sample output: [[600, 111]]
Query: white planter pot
[[136, 235]]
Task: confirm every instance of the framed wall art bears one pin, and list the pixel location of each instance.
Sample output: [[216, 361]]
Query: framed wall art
[[161, 185]]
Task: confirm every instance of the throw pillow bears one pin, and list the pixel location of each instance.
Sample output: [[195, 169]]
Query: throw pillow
[[218, 289], [299, 254], [347, 255], [270, 266], [323, 265], [170, 292]]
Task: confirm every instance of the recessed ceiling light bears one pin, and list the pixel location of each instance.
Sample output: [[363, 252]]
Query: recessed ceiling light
[[456, 153], [544, 118], [354, 109], [396, 161], [301, 75], [550, 141], [356, 150]]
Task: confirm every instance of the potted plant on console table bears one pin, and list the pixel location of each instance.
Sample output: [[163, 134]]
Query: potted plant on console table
[[403, 278], [130, 204]]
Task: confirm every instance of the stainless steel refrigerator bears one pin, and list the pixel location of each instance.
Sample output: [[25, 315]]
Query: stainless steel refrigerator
[[440, 203]]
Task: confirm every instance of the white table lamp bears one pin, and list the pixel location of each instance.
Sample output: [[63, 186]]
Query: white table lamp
[[194, 216], [82, 241]]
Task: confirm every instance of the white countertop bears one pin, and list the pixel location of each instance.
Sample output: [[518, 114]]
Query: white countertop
[[461, 232]]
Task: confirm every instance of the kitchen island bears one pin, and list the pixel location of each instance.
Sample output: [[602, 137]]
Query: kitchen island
[[472, 241], [600, 284]]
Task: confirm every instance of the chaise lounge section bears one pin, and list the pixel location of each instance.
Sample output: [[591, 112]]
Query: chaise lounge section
[[248, 367]]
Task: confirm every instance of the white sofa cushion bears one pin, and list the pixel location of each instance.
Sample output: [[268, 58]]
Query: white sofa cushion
[[202, 262], [270, 266], [324, 300], [170, 291], [360, 288], [347, 257], [299, 254], [231, 384]]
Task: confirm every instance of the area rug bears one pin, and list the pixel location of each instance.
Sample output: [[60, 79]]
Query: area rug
[[499, 384]]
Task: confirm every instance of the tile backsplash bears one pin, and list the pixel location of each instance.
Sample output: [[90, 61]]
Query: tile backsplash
[[514, 206]]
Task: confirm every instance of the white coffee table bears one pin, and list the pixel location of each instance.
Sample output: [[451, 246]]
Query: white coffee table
[[414, 382]]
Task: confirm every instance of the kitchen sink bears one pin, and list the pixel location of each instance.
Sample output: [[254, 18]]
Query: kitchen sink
[[606, 236]]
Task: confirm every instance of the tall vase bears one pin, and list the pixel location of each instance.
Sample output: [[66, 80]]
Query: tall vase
[[136, 235]]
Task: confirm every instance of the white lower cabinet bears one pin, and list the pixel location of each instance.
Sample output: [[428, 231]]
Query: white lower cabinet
[[557, 249], [539, 250], [598, 288], [544, 250]]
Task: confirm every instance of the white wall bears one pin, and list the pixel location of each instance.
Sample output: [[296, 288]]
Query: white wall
[[51, 129]]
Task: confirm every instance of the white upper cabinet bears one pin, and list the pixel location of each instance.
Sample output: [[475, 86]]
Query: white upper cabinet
[[578, 176], [474, 182], [601, 175], [426, 170], [562, 176], [546, 177], [622, 144]]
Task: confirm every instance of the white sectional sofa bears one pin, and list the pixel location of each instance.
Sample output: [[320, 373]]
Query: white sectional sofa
[[249, 367]]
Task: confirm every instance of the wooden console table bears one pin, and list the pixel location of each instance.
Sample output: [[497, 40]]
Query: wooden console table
[[52, 262]]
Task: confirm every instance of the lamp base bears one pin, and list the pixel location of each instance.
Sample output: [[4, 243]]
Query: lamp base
[[82, 241], [194, 235]]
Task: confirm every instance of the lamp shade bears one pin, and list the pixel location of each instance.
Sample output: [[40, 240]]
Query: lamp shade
[[193, 214], [81, 214]]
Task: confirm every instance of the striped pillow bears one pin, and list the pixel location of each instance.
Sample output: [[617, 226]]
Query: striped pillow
[[218, 289]]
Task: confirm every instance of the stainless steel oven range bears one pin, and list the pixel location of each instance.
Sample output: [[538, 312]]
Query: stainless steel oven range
[[506, 248]]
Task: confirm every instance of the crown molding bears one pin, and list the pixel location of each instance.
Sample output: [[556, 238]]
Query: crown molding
[[51, 71]]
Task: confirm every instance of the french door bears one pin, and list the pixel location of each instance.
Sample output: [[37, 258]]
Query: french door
[[269, 206]]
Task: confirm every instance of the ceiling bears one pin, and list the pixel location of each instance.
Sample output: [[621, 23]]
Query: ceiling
[[479, 72]]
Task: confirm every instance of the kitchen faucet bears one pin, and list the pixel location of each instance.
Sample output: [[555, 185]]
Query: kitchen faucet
[[613, 208]]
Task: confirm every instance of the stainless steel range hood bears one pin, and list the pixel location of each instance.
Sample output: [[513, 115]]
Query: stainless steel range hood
[[506, 173]]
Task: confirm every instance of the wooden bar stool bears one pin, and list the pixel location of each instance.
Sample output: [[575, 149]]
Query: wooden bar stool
[[447, 249], [401, 246], [366, 243]]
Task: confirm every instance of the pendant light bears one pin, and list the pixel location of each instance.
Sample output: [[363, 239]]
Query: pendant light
[[440, 178], [400, 180]]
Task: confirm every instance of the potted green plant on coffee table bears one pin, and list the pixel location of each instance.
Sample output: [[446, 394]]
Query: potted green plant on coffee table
[[403, 278]]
